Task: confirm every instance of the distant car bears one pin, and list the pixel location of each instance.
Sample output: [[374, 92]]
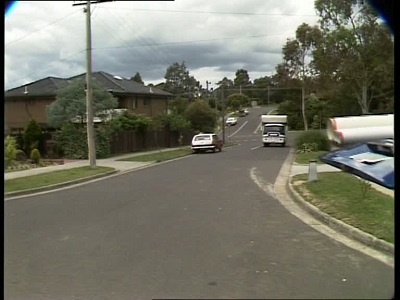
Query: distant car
[[231, 121], [246, 111], [206, 141]]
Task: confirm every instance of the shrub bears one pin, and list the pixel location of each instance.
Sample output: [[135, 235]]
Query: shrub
[[10, 150], [35, 156], [32, 136], [308, 147], [312, 140], [20, 155], [73, 141]]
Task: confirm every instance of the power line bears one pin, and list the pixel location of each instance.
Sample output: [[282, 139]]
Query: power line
[[48, 66], [149, 45], [161, 54], [195, 41], [212, 12], [47, 25]]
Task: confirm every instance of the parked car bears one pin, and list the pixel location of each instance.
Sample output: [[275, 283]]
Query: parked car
[[231, 121], [205, 142], [246, 111]]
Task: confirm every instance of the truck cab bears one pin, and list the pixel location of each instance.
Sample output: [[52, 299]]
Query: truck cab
[[274, 128]]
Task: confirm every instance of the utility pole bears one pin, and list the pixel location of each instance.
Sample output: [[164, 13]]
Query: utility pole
[[223, 111], [268, 96], [89, 89]]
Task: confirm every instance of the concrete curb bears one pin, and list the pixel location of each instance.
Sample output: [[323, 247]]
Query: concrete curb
[[346, 229], [58, 185]]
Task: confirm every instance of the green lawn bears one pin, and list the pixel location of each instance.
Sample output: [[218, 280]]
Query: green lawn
[[55, 177], [304, 158], [341, 195], [160, 156]]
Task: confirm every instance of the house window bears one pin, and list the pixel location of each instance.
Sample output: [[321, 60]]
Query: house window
[[135, 103]]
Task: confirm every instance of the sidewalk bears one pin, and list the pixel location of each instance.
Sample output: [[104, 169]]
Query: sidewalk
[[111, 162]]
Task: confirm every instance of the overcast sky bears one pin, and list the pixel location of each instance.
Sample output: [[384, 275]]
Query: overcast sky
[[214, 38]]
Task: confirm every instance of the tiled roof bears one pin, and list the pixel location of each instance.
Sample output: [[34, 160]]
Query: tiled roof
[[115, 84], [44, 87]]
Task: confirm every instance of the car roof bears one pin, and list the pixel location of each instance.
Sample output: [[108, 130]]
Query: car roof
[[205, 134]]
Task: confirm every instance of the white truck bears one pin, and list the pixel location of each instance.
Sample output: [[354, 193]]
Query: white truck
[[274, 128]]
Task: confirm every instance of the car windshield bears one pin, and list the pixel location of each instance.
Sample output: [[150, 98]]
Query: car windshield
[[202, 138], [274, 129]]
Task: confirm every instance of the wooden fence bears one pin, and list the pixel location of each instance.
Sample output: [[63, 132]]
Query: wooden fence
[[129, 141], [124, 142]]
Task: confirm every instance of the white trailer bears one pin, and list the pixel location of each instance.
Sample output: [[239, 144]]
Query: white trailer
[[274, 128]]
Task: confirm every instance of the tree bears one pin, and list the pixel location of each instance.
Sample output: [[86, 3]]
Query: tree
[[242, 78], [137, 78], [296, 57], [237, 101], [179, 105], [201, 116], [262, 93], [351, 51], [179, 81], [70, 103], [130, 121]]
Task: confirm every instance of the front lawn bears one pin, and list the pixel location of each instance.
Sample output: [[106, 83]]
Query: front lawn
[[351, 200], [55, 177], [304, 158]]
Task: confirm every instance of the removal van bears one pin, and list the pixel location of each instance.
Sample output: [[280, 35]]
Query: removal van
[[274, 128]]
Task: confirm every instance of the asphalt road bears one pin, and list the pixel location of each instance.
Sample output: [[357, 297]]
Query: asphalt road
[[198, 228]]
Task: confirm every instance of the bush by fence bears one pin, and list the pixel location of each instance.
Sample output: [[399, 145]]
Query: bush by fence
[[313, 140]]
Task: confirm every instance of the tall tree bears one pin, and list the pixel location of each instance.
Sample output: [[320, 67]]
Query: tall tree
[[351, 51], [179, 81], [201, 116], [297, 59], [242, 78], [71, 103], [137, 78]]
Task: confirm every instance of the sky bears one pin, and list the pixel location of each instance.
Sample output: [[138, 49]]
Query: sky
[[213, 38]]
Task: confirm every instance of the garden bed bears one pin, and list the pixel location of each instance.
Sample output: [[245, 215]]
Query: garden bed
[[26, 165]]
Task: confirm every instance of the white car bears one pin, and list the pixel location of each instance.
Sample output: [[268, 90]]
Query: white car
[[206, 141], [231, 121]]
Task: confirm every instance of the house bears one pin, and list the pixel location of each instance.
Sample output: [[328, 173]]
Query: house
[[30, 101]]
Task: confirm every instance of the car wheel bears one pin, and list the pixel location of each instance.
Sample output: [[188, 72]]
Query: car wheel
[[213, 150]]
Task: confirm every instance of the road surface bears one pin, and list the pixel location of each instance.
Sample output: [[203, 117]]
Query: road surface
[[198, 227]]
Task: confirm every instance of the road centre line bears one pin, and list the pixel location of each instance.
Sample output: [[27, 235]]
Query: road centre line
[[238, 129]]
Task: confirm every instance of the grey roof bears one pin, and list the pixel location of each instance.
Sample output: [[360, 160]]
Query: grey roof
[[44, 87], [115, 84]]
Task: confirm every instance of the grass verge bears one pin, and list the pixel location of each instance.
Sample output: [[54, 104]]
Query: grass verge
[[41, 180], [159, 156], [351, 200], [304, 158]]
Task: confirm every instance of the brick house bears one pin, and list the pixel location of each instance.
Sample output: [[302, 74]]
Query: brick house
[[31, 100]]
